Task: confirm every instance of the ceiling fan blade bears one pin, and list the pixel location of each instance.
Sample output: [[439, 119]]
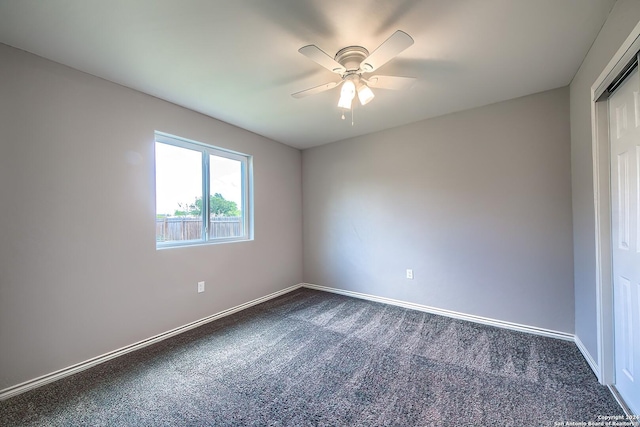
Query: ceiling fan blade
[[388, 50], [315, 90], [317, 55], [390, 82]]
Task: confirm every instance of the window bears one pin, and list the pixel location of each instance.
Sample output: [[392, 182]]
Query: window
[[202, 193]]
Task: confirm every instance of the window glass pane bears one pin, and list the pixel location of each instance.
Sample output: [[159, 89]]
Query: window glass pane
[[178, 193], [225, 201], [200, 200]]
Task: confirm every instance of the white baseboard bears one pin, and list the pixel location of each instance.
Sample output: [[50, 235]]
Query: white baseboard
[[48, 378], [448, 313], [587, 356], [54, 376]]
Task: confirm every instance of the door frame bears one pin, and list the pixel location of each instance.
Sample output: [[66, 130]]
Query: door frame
[[601, 152]]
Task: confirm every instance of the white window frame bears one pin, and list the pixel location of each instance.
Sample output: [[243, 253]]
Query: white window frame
[[207, 150]]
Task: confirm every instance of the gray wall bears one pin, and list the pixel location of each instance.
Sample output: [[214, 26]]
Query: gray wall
[[478, 203], [79, 271], [623, 18]]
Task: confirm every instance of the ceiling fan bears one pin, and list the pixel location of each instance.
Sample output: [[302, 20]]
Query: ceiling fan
[[351, 62]]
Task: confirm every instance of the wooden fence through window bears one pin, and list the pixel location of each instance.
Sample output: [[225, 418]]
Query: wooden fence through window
[[177, 228]]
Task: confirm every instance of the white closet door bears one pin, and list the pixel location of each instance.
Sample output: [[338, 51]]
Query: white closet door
[[624, 121]]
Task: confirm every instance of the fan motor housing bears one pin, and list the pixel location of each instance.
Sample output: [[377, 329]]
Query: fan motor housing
[[350, 57]]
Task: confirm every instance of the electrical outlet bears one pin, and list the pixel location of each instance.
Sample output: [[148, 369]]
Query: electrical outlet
[[200, 287], [409, 273]]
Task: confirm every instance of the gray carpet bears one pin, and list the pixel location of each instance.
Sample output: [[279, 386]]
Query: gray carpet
[[312, 358]]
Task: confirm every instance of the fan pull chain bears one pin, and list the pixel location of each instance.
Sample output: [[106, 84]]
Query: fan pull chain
[[352, 120]]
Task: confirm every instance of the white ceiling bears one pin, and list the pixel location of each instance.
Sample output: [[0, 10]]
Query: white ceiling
[[238, 61]]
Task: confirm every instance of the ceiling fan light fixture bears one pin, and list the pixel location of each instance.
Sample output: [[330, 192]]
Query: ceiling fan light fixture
[[351, 63], [347, 93], [365, 94], [344, 103]]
